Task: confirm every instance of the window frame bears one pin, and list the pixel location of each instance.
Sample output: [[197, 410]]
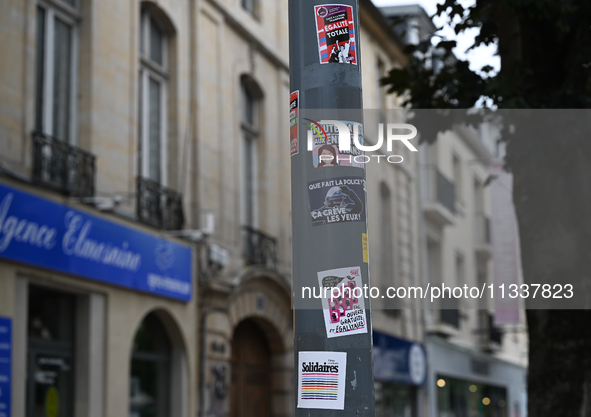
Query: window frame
[[55, 9], [458, 180], [252, 7], [150, 69], [386, 234], [250, 134]]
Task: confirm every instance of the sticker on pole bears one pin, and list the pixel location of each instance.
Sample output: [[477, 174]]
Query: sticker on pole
[[337, 200], [336, 33], [294, 104], [343, 305], [325, 145], [365, 247], [321, 380]]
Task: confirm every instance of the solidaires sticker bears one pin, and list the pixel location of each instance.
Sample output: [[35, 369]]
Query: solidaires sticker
[[336, 33], [321, 380]]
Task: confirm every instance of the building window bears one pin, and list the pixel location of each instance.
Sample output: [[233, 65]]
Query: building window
[[153, 98], [250, 135], [478, 197], [55, 72], [51, 340], [150, 383], [251, 6], [386, 239], [460, 270], [380, 96], [457, 173]]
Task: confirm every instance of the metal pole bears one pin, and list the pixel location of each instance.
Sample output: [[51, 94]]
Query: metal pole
[[332, 338]]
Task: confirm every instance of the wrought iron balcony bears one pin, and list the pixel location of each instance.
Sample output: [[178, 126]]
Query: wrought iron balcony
[[437, 195], [62, 167], [159, 206], [494, 334], [260, 249], [490, 336]]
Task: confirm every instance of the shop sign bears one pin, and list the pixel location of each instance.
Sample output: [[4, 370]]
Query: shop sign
[[398, 360], [5, 365], [40, 232]]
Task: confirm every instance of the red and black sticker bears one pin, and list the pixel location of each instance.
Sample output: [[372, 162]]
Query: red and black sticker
[[294, 103], [336, 34]]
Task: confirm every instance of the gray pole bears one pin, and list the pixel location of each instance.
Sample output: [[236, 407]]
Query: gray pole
[[329, 214]]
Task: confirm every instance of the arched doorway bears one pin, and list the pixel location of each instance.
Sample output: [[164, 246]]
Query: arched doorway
[[150, 370], [158, 368], [250, 394]]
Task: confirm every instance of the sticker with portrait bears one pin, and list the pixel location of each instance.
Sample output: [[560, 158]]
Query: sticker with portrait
[[325, 142]]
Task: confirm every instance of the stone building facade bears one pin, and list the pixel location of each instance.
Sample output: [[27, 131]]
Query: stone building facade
[[161, 121], [145, 227]]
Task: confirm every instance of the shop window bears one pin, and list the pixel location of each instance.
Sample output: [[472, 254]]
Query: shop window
[[395, 400], [51, 349], [457, 398], [150, 370]]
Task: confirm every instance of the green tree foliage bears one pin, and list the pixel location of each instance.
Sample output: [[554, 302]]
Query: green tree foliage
[[545, 52]]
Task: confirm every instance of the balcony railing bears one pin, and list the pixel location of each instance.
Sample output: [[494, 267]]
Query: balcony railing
[[490, 336], [62, 167], [494, 334], [259, 249], [159, 206], [481, 229]]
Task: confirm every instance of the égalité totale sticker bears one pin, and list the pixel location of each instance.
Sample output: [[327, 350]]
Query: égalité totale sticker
[[335, 30]]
